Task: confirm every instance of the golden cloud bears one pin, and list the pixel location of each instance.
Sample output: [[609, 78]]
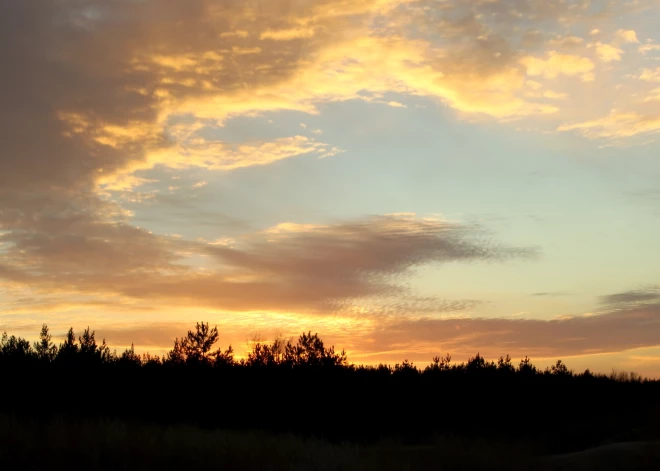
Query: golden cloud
[[607, 52], [618, 124], [216, 61], [626, 36], [287, 34], [650, 75], [555, 64]]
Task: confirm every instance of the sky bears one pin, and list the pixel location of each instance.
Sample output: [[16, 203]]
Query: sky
[[407, 178]]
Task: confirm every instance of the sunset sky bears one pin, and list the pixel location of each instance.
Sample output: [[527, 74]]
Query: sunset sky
[[406, 178]]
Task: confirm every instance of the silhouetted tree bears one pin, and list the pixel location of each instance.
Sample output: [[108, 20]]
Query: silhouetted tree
[[223, 358], [505, 365], [478, 364], [560, 369], [526, 367], [309, 351], [14, 349], [68, 350], [151, 361], [405, 368], [197, 348], [130, 358], [176, 356], [439, 364], [45, 349], [90, 351], [197, 345], [383, 369], [264, 355]]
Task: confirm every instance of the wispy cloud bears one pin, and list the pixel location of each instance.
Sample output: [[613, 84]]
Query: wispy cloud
[[290, 267], [622, 330], [638, 296]]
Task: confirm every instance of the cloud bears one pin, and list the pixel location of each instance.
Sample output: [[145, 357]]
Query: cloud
[[396, 104], [556, 64], [555, 95], [100, 90], [638, 296], [608, 52], [219, 155], [566, 42], [571, 336], [287, 268], [646, 48], [650, 75], [287, 34], [618, 124], [145, 336], [626, 36], [654, 95]]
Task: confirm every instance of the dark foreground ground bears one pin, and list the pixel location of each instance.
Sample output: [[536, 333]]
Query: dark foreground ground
[[29, 444]]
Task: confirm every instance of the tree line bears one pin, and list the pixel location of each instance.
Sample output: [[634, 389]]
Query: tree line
[[198, 348], [306, 387]]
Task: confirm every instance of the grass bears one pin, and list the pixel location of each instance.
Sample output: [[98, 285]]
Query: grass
[[114, 445]]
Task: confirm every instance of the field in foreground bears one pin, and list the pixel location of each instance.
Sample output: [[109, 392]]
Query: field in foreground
[[114, 445]]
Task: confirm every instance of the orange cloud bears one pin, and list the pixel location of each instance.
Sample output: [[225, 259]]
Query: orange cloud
[[291, 267], [581, 335]]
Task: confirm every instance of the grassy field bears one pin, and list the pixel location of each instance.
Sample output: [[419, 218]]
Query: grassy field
[[113, 445]]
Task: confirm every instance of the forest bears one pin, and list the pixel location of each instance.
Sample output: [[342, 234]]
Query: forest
[[308, 390]]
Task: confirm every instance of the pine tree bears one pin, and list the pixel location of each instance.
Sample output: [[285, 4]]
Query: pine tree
[[45, 349], [68, 350], [197, 345], [130, 358]]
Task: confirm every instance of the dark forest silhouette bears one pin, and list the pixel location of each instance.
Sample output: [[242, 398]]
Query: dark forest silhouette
[[307, 388]]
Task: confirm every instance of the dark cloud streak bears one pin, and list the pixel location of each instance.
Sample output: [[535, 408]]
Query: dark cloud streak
[[638, 296]]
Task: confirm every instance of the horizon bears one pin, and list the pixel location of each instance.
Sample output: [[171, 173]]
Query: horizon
[[406, 178], [163, 355]]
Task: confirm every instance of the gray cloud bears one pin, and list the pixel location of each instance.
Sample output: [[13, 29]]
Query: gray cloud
[[638, 296], [612, 332]]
